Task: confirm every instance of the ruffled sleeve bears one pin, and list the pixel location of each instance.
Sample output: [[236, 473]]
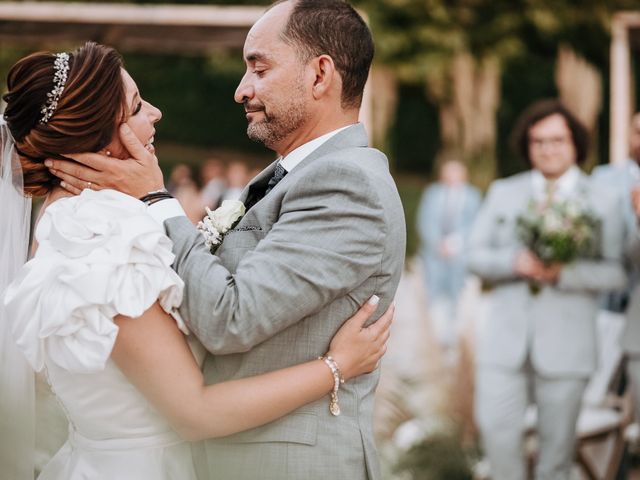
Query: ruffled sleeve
[[100, 255]]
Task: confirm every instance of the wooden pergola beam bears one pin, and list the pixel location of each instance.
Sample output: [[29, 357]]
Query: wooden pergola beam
[[122, 13], [148, 28]]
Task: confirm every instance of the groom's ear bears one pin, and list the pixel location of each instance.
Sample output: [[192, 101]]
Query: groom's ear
[[327, 79]]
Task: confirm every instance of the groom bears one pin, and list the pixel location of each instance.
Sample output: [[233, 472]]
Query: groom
[[324, 231]]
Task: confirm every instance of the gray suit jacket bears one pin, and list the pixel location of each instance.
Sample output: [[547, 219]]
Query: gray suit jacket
[[556, 328], [622, 178], [445, 276], [298, 264], [631, 335]]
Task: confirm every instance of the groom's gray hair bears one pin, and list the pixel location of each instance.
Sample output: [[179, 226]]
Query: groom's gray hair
[[334, 28]]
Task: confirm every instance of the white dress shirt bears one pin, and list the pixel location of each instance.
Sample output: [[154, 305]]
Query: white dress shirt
[[304, 150], [633, 170], [169, 208], [563, 187]]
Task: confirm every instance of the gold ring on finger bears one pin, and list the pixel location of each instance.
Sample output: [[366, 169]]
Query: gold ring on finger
[[89, 185]]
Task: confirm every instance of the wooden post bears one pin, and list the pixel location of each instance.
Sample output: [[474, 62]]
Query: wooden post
[[620, 108]]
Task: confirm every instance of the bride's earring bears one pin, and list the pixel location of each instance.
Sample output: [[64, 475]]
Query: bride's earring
[[107, 153]]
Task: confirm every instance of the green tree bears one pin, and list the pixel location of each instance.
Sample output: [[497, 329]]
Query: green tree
[[458, 49]]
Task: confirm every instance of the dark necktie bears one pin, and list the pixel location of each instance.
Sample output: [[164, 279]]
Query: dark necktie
[[278, 175], [256, 192]]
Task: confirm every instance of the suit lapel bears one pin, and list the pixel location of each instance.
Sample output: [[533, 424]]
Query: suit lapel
[[582, 185], [351, 137], [259, 183], [525, 194]]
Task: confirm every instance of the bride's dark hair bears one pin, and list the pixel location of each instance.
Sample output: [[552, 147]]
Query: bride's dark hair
[[88, 112]]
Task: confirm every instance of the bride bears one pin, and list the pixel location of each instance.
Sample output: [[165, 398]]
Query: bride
[[96, 306]]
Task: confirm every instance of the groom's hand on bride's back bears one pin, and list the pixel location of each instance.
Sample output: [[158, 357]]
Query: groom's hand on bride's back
[[135, 176]]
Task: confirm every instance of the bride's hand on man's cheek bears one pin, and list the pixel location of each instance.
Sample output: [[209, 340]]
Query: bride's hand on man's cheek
[[135, 176]]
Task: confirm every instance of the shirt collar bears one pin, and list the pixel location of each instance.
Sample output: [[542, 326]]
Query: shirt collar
[[304, 150], [633, 170], [564, 186]]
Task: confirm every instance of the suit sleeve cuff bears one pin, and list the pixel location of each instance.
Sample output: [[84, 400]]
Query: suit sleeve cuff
[[166, 209]]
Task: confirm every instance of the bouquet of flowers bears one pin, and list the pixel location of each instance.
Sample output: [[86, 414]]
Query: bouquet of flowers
[[559, 232]]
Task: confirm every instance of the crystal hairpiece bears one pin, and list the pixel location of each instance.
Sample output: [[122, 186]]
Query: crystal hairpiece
[[61, 68]]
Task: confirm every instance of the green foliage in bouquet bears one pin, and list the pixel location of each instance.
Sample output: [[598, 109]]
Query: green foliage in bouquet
[[440, 456], [559, 232]]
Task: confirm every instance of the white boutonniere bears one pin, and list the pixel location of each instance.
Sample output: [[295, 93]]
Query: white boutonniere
[[218, 222]]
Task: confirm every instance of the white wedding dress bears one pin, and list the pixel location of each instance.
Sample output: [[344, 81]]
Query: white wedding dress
[[99, 255]]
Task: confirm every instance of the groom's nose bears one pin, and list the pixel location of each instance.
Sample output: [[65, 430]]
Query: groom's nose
[[244, 91]]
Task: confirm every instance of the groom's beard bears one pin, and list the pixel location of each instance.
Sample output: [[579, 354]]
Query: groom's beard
[[280, 122]]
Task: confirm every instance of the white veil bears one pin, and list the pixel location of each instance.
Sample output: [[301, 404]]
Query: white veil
[[17, 395]]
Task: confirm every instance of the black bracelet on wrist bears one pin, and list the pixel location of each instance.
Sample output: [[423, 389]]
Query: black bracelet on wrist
[[153, 197], [159, 199]]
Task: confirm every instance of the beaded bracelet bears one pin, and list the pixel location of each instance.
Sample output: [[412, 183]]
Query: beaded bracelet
[[334, 407]]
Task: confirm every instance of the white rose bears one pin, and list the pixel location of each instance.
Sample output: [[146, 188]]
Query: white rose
[[552, 222], [226, 215], [573, 210]]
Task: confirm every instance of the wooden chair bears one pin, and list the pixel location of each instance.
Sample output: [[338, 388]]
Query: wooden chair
[[606, 412], [608, 406]]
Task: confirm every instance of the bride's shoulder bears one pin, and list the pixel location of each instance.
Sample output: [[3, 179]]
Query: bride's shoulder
[[99, 255], [95, 222], [94, 213]]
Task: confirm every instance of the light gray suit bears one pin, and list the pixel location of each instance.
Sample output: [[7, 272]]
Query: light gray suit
[[445, 276], [622, 178], [299, 263], [545, 342], [631, 335]]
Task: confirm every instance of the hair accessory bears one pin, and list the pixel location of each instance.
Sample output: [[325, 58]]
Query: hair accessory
[[61, 68]]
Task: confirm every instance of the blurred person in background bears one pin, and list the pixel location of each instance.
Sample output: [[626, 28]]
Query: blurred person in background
[[255, 170], [237, 178], [625, 177], [190, 197], [626, 174], [185, 189], [539, 341], [213, 173], [622, 178], [180, 175], [445, 216]]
